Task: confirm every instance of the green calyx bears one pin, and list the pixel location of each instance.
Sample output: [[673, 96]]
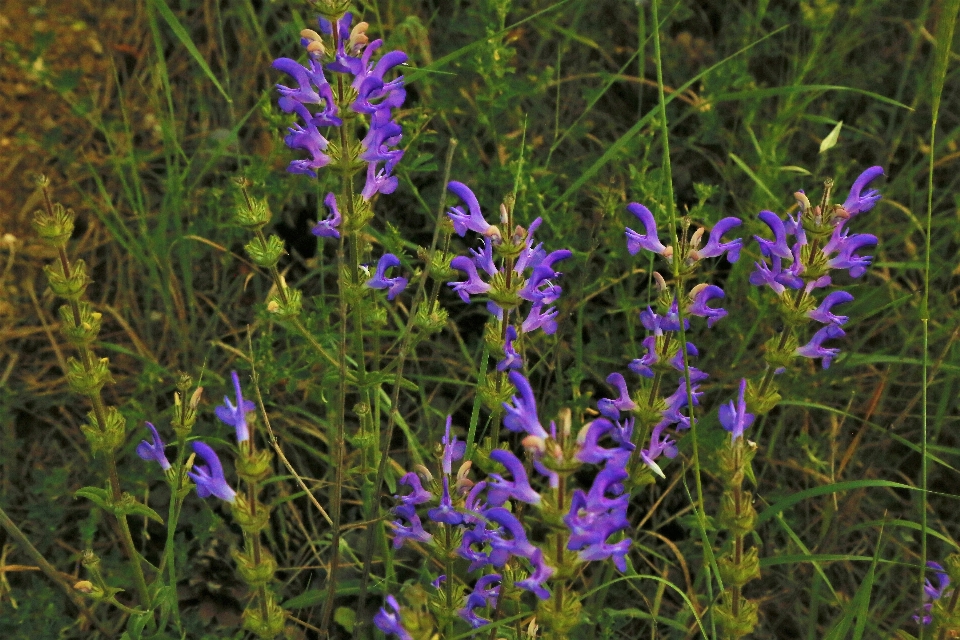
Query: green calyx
[[254, 467], [252, 215], [88, 381], [251, 520], [507, 296], [264, 627], [778, 352], [54, 228], [492, 397], [758, 404], [285, 309], [735, 627], [70, 287], [559, 624], [439, 262], [255, 574], [106, 438], [737, 575], [88, 329], [332, 10], [265, 252], [430, 321], [737, 522], [356, 219]]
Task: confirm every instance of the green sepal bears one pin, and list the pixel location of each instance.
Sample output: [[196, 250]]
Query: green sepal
[[493, 398], [446, 612], [559, 624], [109, 437], [439, 264], [733, 575], [506, 296], [254, 574], [256, 467], [265, 253], [88, 383], [251, 523], [728, 519], [759, 405], [253, 214], [289, 309], [71, 288], [54, 230], [430, 322], [332, 10], [266, 628], [737, 627], [777, 356], [89, 324]]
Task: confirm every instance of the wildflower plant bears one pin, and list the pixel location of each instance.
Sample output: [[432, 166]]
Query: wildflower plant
[[526, 514]]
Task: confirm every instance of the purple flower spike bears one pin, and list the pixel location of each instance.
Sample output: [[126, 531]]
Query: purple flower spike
[[716, 248], [701, 295], [461, 221], [824, 314], [522, 415], [814, 348], [473, 285], [500, 490], [390, 623], [327, 228], [778, 247], [933, 593], [541, 573], [511, 359], [236, 416], [209, 475], [650, 241], [858, 202], [379, 280], [735, 419], [153, 450]]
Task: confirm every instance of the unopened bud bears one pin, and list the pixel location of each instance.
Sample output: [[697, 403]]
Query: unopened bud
[[84, 586], [695, 238], [195, 398], [423, 472], [661, 283]]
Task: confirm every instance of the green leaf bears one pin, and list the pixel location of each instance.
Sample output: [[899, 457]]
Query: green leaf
[[98, 496], [345, 617], [139, 509], [831, 140], [187, 42]]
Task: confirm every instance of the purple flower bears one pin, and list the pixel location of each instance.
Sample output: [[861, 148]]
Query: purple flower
[[734, 418], [327, 228], [858, 202], [307, 139], [475, 220], [701, 295], [473, 285], [602, 551], [452, 449], [522, 415], [414, 531], [445, 513], [846, 246], [502, 548], [304, 94], [933, 593], [778, 247], [588, 440], [545, 320], [649, 241], [209, 475], [390, 623], [153, 450], [715, 248], [500, 490], [418, 494], [483, 595], [612, 408], [236, 415], [541, 573], [823, 312], [659, 445], [380, 281], [511, 359], [814, 348]]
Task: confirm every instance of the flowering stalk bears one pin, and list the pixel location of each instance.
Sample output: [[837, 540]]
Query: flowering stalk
[[736, 615], [80, 326], [939, 612]]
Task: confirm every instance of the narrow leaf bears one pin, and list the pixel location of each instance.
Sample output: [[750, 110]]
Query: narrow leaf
[[831, 140]]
